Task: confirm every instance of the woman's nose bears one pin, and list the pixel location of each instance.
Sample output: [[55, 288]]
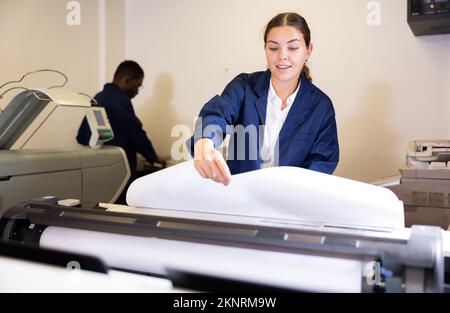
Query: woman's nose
[[282, 54]]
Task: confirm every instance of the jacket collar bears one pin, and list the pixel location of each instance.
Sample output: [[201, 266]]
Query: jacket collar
[[262, 84], [262, 88]]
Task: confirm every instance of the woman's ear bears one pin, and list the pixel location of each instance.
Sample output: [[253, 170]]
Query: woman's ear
[[310, 49]]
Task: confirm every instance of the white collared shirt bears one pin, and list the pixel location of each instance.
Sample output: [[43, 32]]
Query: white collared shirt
[[275, 118]]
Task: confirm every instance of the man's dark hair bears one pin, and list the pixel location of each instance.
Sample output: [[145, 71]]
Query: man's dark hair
[[129, 68]]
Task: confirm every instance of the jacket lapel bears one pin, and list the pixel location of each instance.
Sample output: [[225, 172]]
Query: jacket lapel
[[302, 104], [262, 89]]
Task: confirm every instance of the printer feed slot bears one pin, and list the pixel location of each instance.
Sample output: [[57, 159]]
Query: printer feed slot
[[210, 283]]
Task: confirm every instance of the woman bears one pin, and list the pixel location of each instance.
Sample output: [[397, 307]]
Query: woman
[[299, 126]]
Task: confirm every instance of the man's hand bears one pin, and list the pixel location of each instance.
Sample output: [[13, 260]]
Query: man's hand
[[161, 161], [210, 163]]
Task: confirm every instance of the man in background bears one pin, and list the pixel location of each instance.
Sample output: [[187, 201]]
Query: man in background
[[128, 132]]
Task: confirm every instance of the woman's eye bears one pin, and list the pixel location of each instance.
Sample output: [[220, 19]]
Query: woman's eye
[[293, 48], [273, 49]]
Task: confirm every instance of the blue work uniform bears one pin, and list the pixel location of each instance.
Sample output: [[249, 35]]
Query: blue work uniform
[[308, 138]]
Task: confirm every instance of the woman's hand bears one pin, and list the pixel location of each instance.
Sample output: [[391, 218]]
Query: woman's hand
[[210, 163]]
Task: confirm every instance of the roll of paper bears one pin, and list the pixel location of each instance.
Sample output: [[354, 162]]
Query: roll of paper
[[153, 255]]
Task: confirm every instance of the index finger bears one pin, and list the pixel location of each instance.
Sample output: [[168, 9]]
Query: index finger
[[223, 168]]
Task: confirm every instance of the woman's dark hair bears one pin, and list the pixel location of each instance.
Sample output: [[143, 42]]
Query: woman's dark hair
[[294, 20]]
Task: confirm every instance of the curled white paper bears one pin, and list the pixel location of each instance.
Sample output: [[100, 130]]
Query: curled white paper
[[277, 193]]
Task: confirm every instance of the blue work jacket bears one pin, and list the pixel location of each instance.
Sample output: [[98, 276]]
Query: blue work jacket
[[308, 138]]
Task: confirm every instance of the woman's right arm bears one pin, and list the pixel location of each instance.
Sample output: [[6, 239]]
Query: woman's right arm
[[211, 129]]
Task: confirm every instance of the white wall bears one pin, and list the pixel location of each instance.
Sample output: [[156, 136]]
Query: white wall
[[388, 86], [446, 65], [35, 35], [114, 36]]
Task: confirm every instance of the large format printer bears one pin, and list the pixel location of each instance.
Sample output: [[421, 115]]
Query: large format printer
[[36, 158], [424, 186], [354, 247]]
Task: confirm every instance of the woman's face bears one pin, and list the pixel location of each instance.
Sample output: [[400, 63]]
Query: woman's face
[[286, 53]]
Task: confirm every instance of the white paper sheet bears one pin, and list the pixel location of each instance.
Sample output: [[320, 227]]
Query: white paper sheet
[[274, 193], [24, 276], [285, 270]]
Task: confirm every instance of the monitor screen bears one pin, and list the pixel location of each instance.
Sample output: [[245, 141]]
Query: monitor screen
[[435, 6], [99, 118]]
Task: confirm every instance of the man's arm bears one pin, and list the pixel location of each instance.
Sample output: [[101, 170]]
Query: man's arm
[[137, 136]]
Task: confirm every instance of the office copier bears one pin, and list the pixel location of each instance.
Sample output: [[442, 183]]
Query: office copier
[[424, 186], [36, 157]]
